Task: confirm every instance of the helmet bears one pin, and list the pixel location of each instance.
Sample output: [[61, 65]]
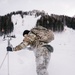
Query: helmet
[[26, 32]]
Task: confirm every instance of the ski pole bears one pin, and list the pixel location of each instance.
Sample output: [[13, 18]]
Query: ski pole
[[8, 62], [3, 60]]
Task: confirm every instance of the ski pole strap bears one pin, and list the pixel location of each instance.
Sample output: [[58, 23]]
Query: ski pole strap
[[49, 47]]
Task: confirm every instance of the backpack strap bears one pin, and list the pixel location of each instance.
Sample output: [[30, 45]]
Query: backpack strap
[[35, 34], [38, 37]]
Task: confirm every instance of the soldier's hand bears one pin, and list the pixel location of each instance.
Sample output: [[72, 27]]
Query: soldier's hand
[[9, 48]]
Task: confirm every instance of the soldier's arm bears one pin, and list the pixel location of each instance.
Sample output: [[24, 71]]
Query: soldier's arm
[[26, 41], [21, 46]]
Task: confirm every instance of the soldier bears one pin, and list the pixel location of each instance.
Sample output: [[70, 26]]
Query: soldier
[[41, 50]]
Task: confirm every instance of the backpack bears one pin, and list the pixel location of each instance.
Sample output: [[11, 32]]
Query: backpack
[[43, 34]]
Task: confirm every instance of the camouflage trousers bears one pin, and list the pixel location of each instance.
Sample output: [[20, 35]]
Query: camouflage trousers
[[42, 60]]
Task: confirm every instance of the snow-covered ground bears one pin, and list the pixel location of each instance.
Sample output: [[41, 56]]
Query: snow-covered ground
[[23, 62]]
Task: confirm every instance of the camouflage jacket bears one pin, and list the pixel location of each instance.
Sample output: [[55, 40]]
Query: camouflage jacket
[[32, 40]]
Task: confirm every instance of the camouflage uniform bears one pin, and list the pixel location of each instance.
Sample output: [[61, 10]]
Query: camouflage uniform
[[42, 54]]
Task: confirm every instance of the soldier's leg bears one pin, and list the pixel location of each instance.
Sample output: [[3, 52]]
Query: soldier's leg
[[42, 62]]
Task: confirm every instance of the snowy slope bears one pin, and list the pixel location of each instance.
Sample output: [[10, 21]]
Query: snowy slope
[[23, 62], [63, 58]]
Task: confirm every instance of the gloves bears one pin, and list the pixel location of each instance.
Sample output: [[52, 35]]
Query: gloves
[[9, 48]]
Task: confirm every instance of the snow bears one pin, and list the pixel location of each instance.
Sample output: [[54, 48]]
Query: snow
[[62, 60], [23, 62]]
